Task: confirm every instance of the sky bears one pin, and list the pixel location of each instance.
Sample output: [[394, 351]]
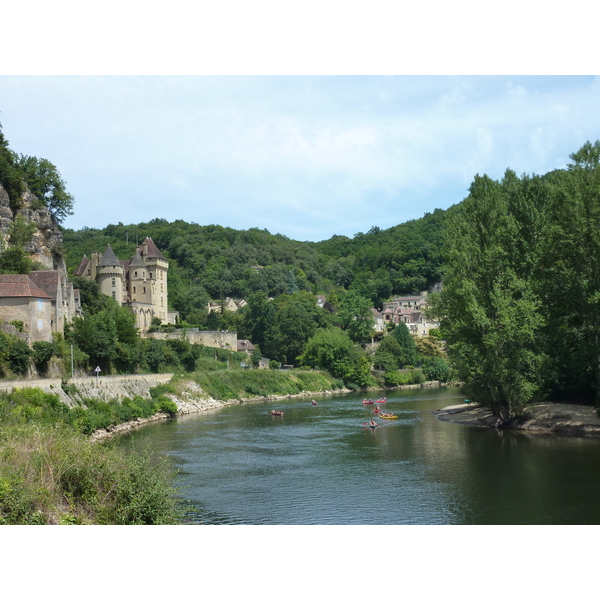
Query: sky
[[305, 156]]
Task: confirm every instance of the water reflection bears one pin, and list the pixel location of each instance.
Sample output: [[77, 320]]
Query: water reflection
[[320, 465]]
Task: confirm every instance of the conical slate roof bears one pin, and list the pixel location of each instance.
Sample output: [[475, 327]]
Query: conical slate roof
[[109, 258], [153, 251], [137, 260]]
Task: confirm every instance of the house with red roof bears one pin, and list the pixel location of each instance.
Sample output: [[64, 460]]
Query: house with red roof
[[22, 300]]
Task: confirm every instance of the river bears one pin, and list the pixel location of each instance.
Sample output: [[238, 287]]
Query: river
[[320, 465]]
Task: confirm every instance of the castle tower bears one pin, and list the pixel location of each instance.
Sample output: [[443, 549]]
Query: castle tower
[[156, 271], [110, 275], [139, 288]]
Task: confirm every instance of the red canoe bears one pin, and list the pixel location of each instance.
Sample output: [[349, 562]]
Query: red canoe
[[367, 401]]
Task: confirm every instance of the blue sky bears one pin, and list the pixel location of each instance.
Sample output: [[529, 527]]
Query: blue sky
[[305, 156]]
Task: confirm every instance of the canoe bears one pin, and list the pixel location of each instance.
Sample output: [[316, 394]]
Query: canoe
[[368, 402], [388, 416], [381, 400], [276, 413]]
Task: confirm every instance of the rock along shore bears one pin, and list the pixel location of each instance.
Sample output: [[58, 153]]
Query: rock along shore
[[544, 417]]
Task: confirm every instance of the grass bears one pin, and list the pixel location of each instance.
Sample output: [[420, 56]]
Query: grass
[[237, 384], [54, 475]]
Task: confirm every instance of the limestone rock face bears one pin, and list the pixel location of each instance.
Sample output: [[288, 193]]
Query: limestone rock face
[[45, 245], [6, 214]]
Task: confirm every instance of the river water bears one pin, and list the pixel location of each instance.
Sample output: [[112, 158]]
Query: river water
[[320, 465]]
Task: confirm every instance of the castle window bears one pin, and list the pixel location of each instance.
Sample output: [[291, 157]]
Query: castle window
[[135, 274], [113, 282], [40, 305], [134, 289], [114, 295], [150, 275], [144, 290], [40, 324]]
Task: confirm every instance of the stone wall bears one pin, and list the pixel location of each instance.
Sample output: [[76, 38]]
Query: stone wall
[[213, 339], [102, 388]]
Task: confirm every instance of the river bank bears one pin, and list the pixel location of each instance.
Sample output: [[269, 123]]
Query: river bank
[[544, 417]]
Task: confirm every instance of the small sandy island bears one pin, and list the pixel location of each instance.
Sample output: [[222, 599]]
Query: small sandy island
[[545, 417]]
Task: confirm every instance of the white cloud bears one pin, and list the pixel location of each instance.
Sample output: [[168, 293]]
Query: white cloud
[[299, 155]]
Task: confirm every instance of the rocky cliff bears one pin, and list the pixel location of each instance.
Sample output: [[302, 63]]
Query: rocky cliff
[[46, 244]]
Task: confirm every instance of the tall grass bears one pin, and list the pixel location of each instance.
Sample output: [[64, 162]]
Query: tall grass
[[54, 475]]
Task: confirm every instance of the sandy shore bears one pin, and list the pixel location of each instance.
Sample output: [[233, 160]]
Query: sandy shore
[[545, 417]]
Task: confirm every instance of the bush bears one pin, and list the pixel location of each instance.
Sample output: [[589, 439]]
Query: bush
[[42, 352], [436, 368], [166, 405], [274, 364], [18, 356]]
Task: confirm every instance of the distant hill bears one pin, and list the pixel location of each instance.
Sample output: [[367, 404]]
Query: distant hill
[[210, 261]]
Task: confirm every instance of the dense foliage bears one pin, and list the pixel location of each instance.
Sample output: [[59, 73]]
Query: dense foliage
[[42, 179], [521, 297], [216, 262]]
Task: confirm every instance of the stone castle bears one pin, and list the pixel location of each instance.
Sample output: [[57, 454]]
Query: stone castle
[[139, 283]]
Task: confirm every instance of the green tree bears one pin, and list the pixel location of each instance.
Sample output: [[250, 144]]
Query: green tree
[[570, 277], [436, 368], [402, 335], [389, 354], [355, 316], [489, 308], [44, 180], [11, 177], [294, 321], [13, 258], [332, 349]]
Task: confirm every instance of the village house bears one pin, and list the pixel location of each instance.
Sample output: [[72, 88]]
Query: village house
[[65, 300], [409, 310], [21, 300], [230, 304], [139, 283]]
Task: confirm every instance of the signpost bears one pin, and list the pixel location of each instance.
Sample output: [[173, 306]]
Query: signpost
[[97, 370]]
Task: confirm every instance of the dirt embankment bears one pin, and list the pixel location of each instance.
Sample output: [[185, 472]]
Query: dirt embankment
[[545, 417]]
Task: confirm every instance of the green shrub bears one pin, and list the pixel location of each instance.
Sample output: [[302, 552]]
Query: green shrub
[[18, 355], [159, 390], [166, 405], [42, 352]]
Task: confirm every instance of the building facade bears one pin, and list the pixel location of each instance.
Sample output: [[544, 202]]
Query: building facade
[[139, 283], [21, 300]]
